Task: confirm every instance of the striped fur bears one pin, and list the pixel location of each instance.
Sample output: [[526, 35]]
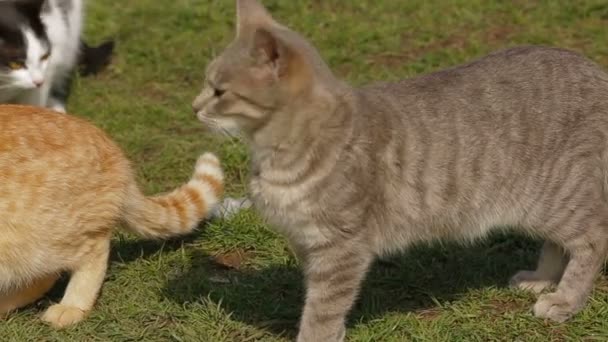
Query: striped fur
[[64, 186], [180, 211], [517, 138]]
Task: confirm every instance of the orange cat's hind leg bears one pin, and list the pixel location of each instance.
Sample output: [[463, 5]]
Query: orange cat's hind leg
[[82, 289], [26, 295]]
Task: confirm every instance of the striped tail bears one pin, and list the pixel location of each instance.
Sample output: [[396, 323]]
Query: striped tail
[[180, 211]]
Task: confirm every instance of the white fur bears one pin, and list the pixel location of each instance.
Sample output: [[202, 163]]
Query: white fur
[[210, 170], [206, 192], [19, 86]]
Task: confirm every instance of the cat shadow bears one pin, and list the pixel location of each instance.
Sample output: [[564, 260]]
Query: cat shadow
[[129, 250], [123, 250], [414, 282]]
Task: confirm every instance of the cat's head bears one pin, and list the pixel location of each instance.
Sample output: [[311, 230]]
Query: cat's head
[[24, 45], [266, 71]]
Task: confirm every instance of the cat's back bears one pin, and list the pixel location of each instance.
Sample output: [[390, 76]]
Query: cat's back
[[523, 73], [42, 133], [55, 156], [527, 87]]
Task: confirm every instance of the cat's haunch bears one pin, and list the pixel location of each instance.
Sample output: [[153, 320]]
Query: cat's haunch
[[64, 187]]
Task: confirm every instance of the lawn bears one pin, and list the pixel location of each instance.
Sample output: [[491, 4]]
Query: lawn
[[235, 280]]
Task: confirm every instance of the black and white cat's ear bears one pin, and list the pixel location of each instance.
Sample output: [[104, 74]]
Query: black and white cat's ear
[[31, 8], [251, 13]]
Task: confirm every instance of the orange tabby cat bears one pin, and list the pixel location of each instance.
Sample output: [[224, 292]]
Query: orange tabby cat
[[64, 185]]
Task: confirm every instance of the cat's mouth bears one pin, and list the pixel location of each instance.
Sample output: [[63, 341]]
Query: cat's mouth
[[208, 123], [202, 116], [218, 127]]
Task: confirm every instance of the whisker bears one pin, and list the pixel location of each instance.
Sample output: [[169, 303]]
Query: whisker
[[5, 86]]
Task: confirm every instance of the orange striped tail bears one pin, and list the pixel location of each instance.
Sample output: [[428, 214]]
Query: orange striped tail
[[181, 210]]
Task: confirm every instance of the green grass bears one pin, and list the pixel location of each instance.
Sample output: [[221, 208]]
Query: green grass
[[236, 280]]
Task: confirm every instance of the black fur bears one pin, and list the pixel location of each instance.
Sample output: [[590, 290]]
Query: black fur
[[92, 60]]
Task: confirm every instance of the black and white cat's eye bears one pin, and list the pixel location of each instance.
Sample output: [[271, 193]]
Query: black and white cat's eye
[[16, 65], [45, 56]]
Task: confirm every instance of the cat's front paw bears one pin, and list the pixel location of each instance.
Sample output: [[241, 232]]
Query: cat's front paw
[[230, 207], [57, 105], [61, 316], [530, 281], [308, 336], [556, 307]]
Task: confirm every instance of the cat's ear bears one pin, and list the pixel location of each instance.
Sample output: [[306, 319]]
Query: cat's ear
[[280, 59], [31, 8], [270, 50], [251, 13]]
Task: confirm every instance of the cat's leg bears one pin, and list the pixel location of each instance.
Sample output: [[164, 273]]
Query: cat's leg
[[60, 91], [27, 294], [57, 105], [333, 279], [587, 255], [83, 288], [36, 97], [45, 92], [551, 264], [32, 97]]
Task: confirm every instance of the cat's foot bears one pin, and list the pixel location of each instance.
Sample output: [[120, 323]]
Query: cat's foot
[[61, 316], [556, 306], [5, 309], [339, 337], [59, 108], [530, 281], [57, 105], [230, 207]]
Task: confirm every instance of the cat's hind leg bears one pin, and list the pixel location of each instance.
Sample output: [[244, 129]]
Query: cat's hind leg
[[83, 287], [27, 294], [551, 264], [587, 255]]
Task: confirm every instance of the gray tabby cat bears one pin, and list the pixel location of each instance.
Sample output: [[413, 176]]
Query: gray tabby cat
[[518, 138]]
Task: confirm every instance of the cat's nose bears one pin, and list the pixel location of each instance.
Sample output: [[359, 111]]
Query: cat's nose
[[38, 83], [198, 104]]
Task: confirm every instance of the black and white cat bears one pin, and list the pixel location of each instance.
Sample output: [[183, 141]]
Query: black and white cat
[[40, 47]]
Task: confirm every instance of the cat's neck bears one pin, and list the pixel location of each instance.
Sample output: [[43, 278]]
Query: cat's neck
[[299, 127]]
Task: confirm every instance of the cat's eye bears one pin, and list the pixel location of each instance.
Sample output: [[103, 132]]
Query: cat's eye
[[15, 65], [46, 56], [218, 92]]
